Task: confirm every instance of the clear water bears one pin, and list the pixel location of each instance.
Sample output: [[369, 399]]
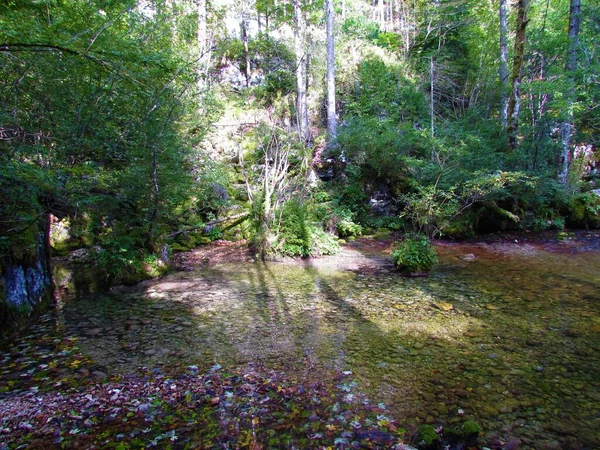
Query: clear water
[[506, 333]]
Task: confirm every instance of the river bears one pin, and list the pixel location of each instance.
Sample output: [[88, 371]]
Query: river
[[505, 331]]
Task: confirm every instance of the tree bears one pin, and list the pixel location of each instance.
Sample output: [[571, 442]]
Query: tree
[[96, 116], [514, 101], [300, 48], [566, 127], [331, 116], [201, 39], [503, 66]]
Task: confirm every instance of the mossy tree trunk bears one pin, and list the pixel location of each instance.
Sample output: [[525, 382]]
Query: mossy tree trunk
[[514, 101]]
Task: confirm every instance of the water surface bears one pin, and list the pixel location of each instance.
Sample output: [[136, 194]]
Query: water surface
[[505, 333]]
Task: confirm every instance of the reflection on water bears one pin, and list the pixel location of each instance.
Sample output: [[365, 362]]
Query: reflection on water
[[509, 338]]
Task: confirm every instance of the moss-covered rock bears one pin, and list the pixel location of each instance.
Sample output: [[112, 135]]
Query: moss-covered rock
[[470, 429], [426, 437]]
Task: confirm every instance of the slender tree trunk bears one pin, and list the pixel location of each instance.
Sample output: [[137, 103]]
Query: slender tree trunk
[[244, 28], [405, 13], [201, 42], [503, 69], [432, 86], [301, 70], [259, 22], [331, 117], [514, 101], [567, 127]]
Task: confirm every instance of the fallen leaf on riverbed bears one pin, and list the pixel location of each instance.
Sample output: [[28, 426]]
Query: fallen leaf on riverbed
[[444, 306]]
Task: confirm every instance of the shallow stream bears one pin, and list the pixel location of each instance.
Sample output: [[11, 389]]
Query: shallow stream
[[505, 333]]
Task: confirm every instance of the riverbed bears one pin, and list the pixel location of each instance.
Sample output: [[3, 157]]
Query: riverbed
[[505, 331]]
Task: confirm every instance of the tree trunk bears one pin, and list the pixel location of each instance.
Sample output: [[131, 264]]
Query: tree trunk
[[503, 69], [514, 101], [331, 117], [244, 28], [202, 43], [432, 101], [301, 69], [566, 128]]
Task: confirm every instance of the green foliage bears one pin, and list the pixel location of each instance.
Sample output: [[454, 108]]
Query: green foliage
[[278, 82], [298, 234], [324, 243], [345, 225], [294, 236], [585, 210], [98, 107], [125, 261], [392, 223], [415, 254], [360, 27], [383, 92], [432, 211], [270, 58]]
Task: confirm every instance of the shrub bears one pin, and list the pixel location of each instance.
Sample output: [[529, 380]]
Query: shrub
[[347, 228], [415, 254], [585, 210], [295, 235], [324, 243], [345, 225]]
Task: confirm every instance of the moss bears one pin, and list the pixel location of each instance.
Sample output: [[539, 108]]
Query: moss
[[179, 248], [65, 247], [426, 435], [155, 267], [470, 429], [186, 240], [382, 233]]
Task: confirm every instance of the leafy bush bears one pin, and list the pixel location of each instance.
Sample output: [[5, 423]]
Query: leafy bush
[[347, 228], [279, 82], [324, 243], [585, 210], [387, 39], [415, 254], [392, 223], [124, 261], [360, 27], [295, 237], [345, 225]]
